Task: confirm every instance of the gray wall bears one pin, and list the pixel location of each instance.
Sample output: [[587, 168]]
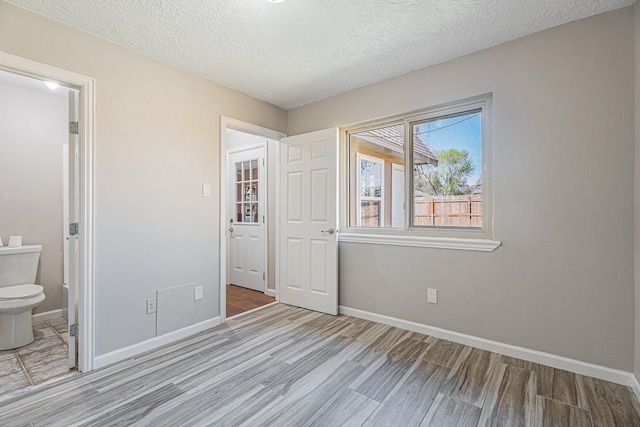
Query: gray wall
[[157, 142], [33, 130], [563, 155]]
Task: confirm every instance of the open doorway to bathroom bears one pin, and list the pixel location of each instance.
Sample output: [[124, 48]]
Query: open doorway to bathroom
[[38, 187]]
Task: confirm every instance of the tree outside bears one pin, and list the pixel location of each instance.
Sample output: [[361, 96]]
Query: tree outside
[[449, 178]]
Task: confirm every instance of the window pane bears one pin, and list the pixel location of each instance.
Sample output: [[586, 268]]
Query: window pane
[[247, 191], [447, 171], [370, 178], [376, 193], [370, 214]]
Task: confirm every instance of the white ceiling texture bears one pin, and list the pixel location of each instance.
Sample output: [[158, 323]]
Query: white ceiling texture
[[299, 51]]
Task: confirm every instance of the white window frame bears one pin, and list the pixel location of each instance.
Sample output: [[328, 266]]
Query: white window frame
[[433, 237], [359, 158]]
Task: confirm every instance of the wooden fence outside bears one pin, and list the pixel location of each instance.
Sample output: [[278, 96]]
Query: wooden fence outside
[[433, 211], [448, 211]]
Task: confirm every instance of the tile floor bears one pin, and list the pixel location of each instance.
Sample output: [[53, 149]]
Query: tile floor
[[241, 299], [36, 363]]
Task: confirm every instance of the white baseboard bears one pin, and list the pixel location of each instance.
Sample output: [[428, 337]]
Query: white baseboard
[[635, 386], [270, 293], [153, 343], [47, 315], [559, 362]]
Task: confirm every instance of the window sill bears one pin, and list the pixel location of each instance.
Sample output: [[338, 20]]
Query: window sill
[[464, 244]]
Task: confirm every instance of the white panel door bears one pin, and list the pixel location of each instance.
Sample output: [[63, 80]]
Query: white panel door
[[308, 244], [247, 204]]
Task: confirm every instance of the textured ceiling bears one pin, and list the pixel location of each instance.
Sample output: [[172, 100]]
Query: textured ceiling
[[300, 51]]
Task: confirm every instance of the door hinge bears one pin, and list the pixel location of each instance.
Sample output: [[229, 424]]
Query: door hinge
[[73, 330], [73, 128], [73, 229], [263, 276], [263, 219]]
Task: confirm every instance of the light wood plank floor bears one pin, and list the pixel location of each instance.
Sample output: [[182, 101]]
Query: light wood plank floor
[[284, 366]]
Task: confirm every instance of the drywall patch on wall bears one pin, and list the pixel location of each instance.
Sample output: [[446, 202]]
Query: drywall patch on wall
[[175, 309]]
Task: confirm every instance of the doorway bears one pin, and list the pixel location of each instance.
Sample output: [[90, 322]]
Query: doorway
[[78, 125], [36, 184], [247, 188], [247, 216], [248, 222]]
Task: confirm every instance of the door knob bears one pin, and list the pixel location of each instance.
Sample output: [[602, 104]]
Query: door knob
[[329, 231], [231, 229]]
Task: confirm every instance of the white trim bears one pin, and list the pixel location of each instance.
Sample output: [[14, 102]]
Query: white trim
[[153, 343], [484, 245], [559, 362], [47, 315], [253, 310], [270, 293], [276, 224], [86, 280], [227, 122], [635, 386]]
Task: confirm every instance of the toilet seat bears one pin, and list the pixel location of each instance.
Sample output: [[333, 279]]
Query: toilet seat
[[20, 292]]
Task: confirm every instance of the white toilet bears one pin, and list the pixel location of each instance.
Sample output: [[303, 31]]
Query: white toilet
[[18, 294]]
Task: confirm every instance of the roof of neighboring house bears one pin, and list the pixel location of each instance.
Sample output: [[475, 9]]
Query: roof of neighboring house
[[395, 135]]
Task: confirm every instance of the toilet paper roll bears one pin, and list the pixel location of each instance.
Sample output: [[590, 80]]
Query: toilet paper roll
[[15, 241]]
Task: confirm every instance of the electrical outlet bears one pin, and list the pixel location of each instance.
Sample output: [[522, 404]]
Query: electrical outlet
[[432, 296], [151, 305], [198, 293]]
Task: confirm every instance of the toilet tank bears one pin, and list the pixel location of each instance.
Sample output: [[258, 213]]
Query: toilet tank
[[19, 266]]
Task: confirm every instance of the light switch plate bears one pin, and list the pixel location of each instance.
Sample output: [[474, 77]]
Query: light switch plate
[[206, 190], [198, 293]]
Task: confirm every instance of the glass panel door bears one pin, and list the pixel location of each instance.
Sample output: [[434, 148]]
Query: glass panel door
[[247, 191]]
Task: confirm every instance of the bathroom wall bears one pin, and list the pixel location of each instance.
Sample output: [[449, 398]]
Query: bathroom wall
[[33, 130]]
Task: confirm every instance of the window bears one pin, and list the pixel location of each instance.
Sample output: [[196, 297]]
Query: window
[[437, 159], [371, 203], [247, 191], [447, 170]]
